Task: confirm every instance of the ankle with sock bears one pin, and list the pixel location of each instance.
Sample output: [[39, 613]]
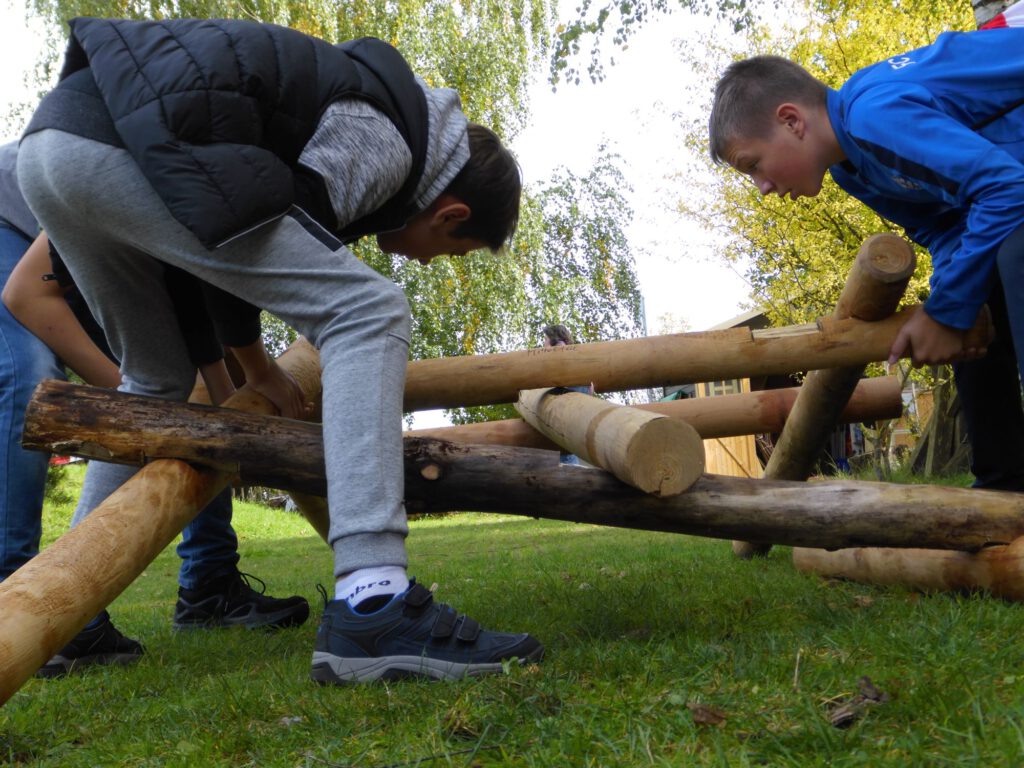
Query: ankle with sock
[[369, 589]]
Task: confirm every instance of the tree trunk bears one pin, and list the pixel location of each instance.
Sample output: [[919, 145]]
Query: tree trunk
[[48, 600], [445, 477], [650, 452], [750, 413], [874, 288]]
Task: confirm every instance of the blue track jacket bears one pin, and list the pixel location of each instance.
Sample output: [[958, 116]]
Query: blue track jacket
[[934, 141]]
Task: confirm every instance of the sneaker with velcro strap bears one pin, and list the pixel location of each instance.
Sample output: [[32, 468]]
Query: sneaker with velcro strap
[[411, 636]]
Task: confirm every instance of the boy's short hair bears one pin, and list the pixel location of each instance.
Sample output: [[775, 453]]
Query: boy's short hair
[[490, 184], [748, 94], [558, 333]]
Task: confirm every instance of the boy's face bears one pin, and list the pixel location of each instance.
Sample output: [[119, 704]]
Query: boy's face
[[429, 234], [785, 162]]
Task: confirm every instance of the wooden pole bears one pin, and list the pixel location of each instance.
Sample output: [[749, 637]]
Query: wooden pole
[[48, 600], [998, 570], [654, 453], [749, 413], [653, 361], [874, 288]]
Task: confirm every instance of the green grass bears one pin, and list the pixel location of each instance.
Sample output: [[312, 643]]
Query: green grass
[[640, 629]]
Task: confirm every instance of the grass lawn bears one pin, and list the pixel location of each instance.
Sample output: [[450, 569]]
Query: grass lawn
[[661, 650]]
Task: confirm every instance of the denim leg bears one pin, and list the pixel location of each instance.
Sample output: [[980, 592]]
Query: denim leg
[[990, 388], [208, 545], [24, 362]]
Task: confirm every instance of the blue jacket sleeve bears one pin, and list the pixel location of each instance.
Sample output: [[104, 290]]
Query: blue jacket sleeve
[[955, 192]]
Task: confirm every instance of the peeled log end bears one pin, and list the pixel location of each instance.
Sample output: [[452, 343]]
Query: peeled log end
[[665, 457]]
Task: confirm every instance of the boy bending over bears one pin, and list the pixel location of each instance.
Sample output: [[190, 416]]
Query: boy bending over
[[933, 140], [246, 154]]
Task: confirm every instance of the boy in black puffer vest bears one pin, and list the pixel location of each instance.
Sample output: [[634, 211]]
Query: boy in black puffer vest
[[246, 154]]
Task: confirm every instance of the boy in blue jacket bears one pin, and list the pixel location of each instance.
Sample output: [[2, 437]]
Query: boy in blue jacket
[[247, 155], [933, 140]]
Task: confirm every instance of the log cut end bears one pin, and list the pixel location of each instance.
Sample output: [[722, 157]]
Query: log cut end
[[665, 457]]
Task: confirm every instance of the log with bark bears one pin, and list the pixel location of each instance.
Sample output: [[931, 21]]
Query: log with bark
[[446, 477]]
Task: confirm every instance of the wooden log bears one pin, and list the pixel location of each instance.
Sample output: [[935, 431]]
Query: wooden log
[[749, 413], [653, 361], [874, 288], [648, 451], [446, 477], [998, 570], [99, 423], [49, 599]]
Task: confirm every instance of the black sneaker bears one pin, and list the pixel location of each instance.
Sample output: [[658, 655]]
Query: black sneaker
[[230, 601], [99, 644], [411, 636]]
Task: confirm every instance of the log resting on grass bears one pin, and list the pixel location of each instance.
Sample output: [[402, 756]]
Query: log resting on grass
[[446, 477], [650, 452], [997, 570], [48, 600], [749, 413], [874, 288]]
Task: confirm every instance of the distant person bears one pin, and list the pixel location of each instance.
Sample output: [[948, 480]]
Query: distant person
[[558, 335], [933, 140]]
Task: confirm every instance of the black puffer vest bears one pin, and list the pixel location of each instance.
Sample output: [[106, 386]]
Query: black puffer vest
[[216, 113]]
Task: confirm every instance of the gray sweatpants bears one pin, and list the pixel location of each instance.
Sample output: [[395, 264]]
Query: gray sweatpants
[[111, 229]]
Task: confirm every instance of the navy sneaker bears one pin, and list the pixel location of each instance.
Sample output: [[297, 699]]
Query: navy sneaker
[[100, 643], [411, 636], [230, 601]]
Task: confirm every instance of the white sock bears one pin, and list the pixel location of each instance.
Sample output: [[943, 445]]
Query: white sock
[[370, 582]]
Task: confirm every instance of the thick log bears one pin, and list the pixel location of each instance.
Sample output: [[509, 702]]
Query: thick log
[[653, 361], [99, 423], [874, 288], [997, 570], [48, 600], [650, 452], [749, 413], [268, 450], [445, 477]]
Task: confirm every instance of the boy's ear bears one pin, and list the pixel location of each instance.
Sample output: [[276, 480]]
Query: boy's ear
[[792, 116], [448, 209]]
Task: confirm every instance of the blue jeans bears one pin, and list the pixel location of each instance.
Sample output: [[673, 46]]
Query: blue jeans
[[24, 362], [990, 388]]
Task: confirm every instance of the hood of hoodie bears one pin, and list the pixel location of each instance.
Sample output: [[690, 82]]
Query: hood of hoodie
[[447, 143]]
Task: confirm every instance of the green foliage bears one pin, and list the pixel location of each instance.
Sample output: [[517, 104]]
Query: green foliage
[[648, 636], [621, 18], [797, 255], [448, 44]]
